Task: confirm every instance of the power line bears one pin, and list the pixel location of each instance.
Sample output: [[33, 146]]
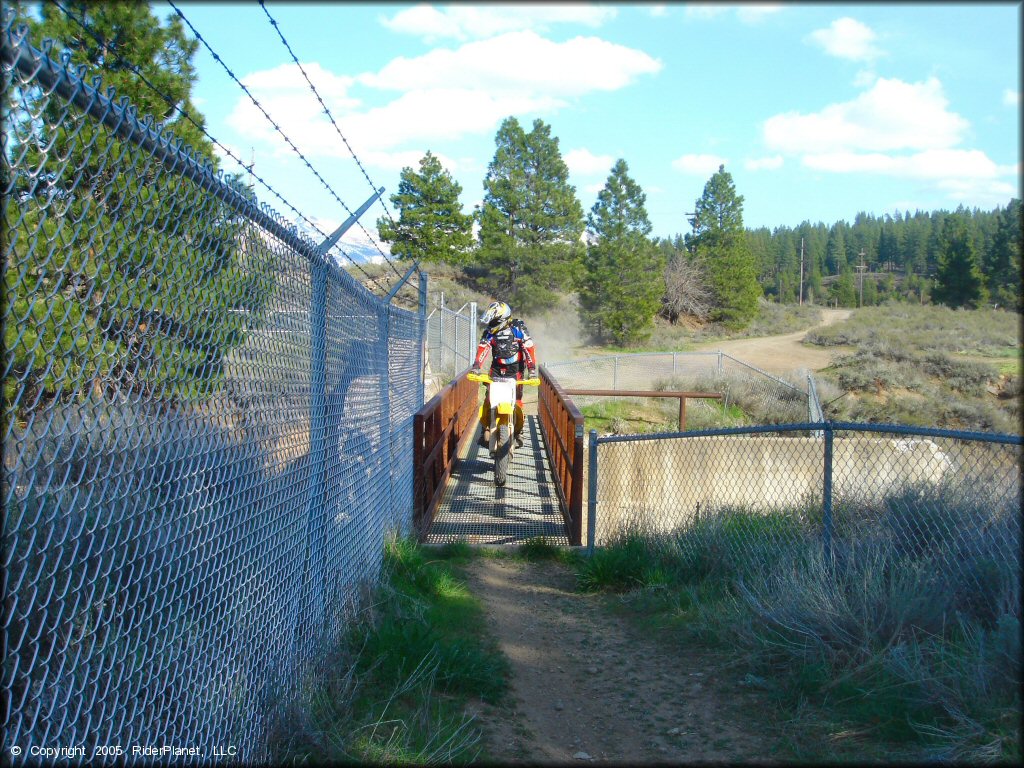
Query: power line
[[184, 113], [271, 120], [327, 111]]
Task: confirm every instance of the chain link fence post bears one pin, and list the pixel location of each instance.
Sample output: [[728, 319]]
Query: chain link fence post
[[592, 493], [826, 502], [472, 332]]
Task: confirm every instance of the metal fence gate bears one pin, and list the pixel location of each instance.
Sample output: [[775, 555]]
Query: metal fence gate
[[207, 435]]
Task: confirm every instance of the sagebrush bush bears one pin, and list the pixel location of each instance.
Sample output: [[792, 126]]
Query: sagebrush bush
[[760, 400], [921, 352], [911, 620], [924, 328]]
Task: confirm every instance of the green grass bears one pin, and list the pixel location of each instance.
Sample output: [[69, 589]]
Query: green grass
[[1008, 360], [399, 688], [631, 416], [648, 415], [541, 549]]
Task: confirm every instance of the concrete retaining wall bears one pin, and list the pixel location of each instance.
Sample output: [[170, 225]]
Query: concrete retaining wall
[[667, 482]]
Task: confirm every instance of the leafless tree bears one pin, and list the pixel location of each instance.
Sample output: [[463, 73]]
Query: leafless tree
[[686, 289]]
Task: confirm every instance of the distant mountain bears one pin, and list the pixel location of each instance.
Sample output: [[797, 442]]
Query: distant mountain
[[355, 243]]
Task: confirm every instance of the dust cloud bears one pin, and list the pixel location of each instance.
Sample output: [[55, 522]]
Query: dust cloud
[[557, 332]]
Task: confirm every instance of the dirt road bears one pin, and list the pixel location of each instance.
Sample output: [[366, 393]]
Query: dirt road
[[779, 354], [589, 686]]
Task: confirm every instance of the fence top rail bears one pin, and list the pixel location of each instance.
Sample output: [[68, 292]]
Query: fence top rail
[[574, 412], [900, 429], [643, 393], [776, 379], [602, 358], [122, 119], [841, 426], [712, 353], [706, 432], [435, 402]]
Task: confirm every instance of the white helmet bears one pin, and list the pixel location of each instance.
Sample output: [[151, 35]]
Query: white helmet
[[496, 315]]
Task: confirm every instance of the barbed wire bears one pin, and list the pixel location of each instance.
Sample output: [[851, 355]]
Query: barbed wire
[[273, 122], [327, 111], [184, 113]]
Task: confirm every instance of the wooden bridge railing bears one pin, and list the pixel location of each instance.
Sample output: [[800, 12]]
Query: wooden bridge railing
[[561, 426], [439, 429], [681, 396]]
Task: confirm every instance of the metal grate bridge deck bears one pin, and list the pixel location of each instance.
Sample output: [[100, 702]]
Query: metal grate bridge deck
[[475, 510]]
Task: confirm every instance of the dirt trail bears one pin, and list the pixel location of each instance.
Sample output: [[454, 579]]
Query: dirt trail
[[589, 686], [779, 354]]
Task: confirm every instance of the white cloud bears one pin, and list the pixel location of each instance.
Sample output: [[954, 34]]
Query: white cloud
[[227, 162], [406, 158], [520, 61], [332, 88], [465, 22], [420, 116], [1011, 98], [964, 175], [847, 38], [892, 115], [865, 78], [897, 130], [584, 162], [980, 192], [704, 10], [764, 163], [747, 13], [699, 165], [593, 189], [934, 164], [659, 11], [443, 95], [756, 13]]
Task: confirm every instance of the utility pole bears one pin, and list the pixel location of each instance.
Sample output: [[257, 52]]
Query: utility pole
[[860, 271], [693, 224], [801, 271]]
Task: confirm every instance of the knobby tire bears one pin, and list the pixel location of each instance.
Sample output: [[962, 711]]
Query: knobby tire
[[502, 454]]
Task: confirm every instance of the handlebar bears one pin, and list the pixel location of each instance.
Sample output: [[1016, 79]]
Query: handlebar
[[483, 378]]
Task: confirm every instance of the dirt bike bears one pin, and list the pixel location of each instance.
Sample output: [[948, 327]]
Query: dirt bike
[[503, 408]]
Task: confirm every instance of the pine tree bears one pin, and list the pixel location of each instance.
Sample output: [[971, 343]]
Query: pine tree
[[1002, 267], [844, 290], [959, 281], [531, 220], [623, 281], [721, 243], [835, 250], [136, 298], [431, 226]]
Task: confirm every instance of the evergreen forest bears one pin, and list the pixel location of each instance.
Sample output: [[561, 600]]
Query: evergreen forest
[[530, 241]]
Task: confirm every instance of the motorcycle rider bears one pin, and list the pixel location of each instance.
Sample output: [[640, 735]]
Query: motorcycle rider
[[511, 350]]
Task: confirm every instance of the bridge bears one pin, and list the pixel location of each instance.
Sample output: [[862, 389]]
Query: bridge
[[455, 498]]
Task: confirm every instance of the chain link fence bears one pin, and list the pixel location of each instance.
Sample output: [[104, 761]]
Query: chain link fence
[[951, 499], [207, 435], [748, 392], [452, 338]]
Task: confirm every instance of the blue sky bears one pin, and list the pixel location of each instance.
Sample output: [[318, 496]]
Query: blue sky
[[819, 111]]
